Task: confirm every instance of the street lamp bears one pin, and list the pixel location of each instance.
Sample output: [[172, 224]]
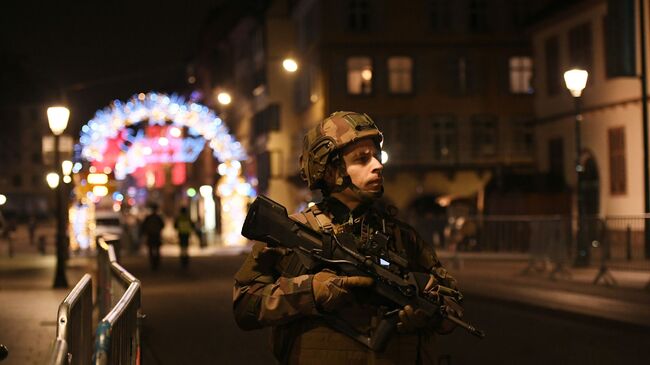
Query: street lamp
[[575, 81], [66, 167], [52, 180], [57, 117], [224, 98], [290, 65]]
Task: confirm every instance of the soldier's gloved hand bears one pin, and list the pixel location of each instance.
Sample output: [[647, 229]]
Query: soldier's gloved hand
[[332, 291], [411, 319]]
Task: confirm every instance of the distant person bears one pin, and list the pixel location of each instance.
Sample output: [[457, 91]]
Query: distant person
[[31, 229], [184, 227], [6, 227], [152, 227]]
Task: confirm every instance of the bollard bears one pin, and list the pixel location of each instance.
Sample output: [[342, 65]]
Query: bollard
[[628, 243]]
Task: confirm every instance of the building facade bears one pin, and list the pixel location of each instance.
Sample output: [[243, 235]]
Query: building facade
[[602, 37], [22, 174], [449, 83]]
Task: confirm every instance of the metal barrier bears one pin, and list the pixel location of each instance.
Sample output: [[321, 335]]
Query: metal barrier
[[626, 235], [73, 344], [614, 242], [118, 334]]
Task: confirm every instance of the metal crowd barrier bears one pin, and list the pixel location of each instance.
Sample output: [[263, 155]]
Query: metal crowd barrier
[[73, 344], [614, 242], [118, 333]]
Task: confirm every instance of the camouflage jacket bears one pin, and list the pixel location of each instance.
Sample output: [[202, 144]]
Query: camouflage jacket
[[273, 289]]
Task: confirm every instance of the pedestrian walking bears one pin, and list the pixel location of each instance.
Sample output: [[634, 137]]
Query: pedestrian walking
[[184, 226], [6, 227], [152, 227], [31, 229]]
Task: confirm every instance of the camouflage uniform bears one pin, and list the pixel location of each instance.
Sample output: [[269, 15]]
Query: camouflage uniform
[[272, 288]]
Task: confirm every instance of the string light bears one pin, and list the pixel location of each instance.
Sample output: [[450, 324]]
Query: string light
[[157, 109]]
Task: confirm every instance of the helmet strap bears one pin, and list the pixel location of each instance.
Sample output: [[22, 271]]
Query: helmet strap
[[343, 182]]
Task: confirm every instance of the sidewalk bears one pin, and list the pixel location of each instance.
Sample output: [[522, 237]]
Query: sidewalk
[[504, 277], [28, 303]]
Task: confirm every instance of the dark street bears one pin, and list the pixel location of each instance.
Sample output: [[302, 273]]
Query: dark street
[[189, 314], [189, 321]]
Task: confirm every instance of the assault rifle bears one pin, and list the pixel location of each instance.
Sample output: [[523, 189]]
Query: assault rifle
[[267, 221]]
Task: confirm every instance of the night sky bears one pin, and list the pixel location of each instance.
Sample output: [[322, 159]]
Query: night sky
[[96, 52]]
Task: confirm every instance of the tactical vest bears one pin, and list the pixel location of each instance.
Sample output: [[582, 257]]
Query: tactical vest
[[312, 341]]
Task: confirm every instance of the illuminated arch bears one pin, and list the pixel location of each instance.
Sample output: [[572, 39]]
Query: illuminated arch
[[197, 120], [158, 109]]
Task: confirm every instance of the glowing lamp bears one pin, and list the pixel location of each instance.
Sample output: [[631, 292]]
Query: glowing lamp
[[290, 65], [175, 132], [52, 180], [66, 167], [205, 191], [366, 74], [575, 81], [3, 199], [100, 190], [97, 179], [384, 157], [224, 98], [57, 117], [67, 179]]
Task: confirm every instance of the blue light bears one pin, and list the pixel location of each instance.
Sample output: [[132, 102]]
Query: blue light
[[117, 196]]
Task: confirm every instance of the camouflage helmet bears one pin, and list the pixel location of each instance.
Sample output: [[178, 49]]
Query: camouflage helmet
[[329, 136]]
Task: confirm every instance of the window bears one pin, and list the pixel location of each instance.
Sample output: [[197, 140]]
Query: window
[[478, 16], [484, 135], [523, 135], [359, 75], [37, 158], [466, 76], [580, 47], [521, 74], [617, 171], [619, 33], [305, 87], [440, 15], [400, 75], [17, 181], [556, 158], [553, 78], [443, 138], [358, 14]]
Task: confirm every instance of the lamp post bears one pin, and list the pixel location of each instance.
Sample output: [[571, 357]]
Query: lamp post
[[57, 117], [575, 81]]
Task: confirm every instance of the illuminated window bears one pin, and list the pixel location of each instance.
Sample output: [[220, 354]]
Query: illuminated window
[[359, 75], [400, 75], [521, 74]]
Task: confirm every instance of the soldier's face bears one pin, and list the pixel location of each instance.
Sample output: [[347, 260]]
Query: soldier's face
[[363, 164]]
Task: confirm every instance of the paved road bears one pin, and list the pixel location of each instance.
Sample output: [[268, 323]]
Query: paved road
[[520, 334], [189, 321], [189, 316]]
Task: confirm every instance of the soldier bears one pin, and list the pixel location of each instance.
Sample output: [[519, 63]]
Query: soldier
[[341, 157]]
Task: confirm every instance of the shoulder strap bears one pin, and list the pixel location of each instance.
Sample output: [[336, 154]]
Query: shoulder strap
[[317, 219]]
